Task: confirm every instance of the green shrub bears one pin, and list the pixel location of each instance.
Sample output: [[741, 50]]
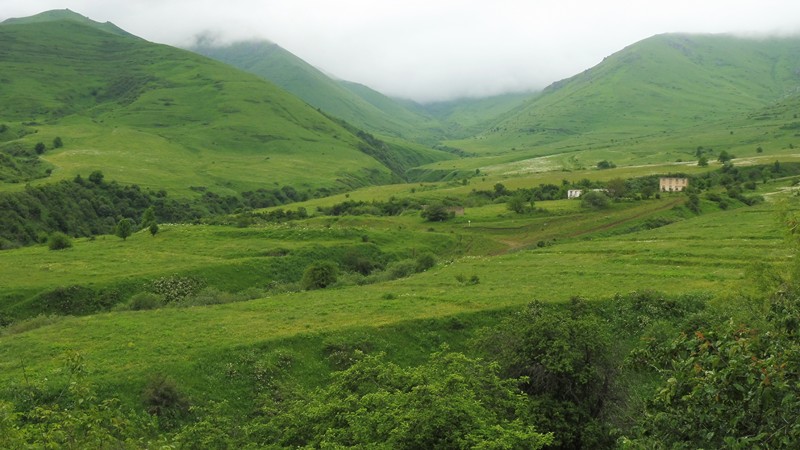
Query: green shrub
[[401, 269], [162, 398], [145, 300], [319, 275], [74, 300], [58, 241], [175, 288], [425, 261], [595, 200]]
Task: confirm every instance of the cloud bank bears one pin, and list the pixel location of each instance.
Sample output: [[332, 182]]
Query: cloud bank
[[434, 50]]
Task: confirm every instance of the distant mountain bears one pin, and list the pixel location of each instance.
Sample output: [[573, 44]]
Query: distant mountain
[[167, 118], [666, 84], [355, 103]]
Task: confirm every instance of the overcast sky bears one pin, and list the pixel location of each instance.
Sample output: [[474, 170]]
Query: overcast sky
[[434, 49]]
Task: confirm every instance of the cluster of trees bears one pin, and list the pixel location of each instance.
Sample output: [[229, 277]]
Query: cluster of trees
[[391, 207], [93, 206]]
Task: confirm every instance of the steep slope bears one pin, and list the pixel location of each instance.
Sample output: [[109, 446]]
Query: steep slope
[[164, 118], [668, 86], [357, 104]]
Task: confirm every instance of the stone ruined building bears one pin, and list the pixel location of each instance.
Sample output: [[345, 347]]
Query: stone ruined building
[[672, 184]]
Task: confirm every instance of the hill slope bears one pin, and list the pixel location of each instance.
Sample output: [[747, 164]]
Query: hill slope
[[163, 117], [354, 103], [653, 102]]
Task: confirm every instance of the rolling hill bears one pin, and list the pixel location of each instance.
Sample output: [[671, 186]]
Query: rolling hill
[[359, 104], [166, 118], [655, 101]]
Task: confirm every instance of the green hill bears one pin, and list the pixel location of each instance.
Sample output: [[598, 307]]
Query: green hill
[[355, 103], [652, 102], [165, 118]]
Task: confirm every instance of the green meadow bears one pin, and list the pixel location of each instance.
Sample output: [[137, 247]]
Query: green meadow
[[434, 288]]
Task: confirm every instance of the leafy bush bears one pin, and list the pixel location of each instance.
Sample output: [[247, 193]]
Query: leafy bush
[[401, 269], [594, 200], [74, 300], [162, 398], [319, 275], [425, 261], [58, 241], [436, 212], [739, 384], [567, 359], [175, 288], [145, 300], [450, 402]]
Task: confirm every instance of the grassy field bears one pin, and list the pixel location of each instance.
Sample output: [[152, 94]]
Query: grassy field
[[710, 254]]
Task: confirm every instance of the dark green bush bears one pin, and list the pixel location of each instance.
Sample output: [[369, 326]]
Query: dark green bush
[[162, 398], [595, 200], [319, 275], [425, 261], [145, 300], [58, 241]]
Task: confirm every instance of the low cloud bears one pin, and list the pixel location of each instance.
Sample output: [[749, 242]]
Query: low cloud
[[434, 50]]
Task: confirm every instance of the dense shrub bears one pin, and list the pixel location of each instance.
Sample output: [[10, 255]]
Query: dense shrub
[[401, 269], [436, 212], [425, 261], [450, 402], [58, 241], [568, 360], [145, 300], [175, 288], [594, 200], [74, 300], [162, 398], [319, 275]]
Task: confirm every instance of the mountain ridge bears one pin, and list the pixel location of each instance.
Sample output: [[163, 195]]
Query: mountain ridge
[[119, 102]]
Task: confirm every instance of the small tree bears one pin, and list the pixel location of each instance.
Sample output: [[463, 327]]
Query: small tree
[[149, 217], [606, 165], [58, 241], [517, 204], [702, 161], [319, 275], [124, 228], [436, 213], [153, 229], [724, 157], [39, 148], [57, 142], [616, 187], [594, 200], [96, 177]]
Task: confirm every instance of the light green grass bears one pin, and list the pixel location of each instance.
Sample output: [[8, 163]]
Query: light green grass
[[710, 253]]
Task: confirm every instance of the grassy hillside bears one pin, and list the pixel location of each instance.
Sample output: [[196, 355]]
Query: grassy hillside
[[164, 118], [357, 104], [653, 102], [709, 253]]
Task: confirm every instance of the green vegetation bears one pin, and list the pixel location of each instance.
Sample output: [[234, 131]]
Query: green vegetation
[[58, 241], [178, 119], [270, 290]]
